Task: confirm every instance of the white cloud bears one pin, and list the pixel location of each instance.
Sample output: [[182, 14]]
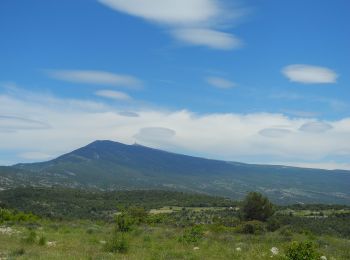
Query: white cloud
[[300, 113], [321, 165], [95, 77], [167, 11], [220, 82], [315, 127], [309, 74], [111, 94], [274, 132], [194, 22], [222, 136], [128, 114], [209, 38], [157, 134], [10, 123]]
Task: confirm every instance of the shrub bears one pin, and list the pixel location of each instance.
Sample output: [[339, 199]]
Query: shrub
[[5, 215], [217, 228], [117, 244], [257, 207], [92, 230], [193, 234], [10, 215], [156, 218], [252, 227], [42, 240], [138, 214], [124, 222], [17, 252], [286, 233], [273, 224], [30, 238], [302, 251]]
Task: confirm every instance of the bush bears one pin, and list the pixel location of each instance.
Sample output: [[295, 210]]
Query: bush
[[302, 251], [30, 238], [286, 233], [42, 240], [10, 215], [193, 234], [273, 224], [138, 214], [217, 228], [252, 227], [117, 244], [256, 207], [17, 252], [124, 222], [5, 215], [156, 218]]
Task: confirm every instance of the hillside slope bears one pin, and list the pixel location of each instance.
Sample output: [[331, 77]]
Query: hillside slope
[[110, 165]]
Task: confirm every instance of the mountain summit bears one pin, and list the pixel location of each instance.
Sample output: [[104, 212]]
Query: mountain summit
[[111, 165]]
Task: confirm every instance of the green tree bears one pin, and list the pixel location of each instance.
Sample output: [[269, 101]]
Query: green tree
[[256, 207]]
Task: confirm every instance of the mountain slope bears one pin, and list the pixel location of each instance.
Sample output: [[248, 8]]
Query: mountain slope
[[114, 166]]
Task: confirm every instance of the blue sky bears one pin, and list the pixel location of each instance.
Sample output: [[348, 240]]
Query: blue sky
[[254, 81]]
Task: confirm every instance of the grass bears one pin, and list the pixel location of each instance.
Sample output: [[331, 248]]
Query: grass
[[88, 240]]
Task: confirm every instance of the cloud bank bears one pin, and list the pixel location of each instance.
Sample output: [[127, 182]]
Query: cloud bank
[[74, 123]]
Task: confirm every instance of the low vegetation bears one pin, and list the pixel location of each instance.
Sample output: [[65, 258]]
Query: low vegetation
[[188, 228]]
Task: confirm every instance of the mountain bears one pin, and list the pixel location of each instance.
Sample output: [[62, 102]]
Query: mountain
[[107, 165]]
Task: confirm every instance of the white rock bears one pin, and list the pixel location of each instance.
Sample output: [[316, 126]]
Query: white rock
[[51, 243], [238, 249], [196, 248], [6, 231], [274, 251], [323, 257]]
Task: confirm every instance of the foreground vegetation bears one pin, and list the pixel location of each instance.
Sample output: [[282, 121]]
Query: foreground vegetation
[[253, 229]]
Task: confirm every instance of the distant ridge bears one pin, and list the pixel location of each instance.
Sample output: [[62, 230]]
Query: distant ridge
[[108, 165]]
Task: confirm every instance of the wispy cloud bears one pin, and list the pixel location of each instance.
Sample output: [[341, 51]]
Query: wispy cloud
[[95, 77], [207, 37], [308, 74], [219, 82], [194, 22], [300, 113], [9, 123], [111, 94], [315, 127]]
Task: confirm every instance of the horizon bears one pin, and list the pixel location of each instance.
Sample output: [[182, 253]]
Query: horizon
[[242, 81]]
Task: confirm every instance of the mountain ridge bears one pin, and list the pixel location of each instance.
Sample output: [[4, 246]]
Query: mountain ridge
[[109, 165]]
